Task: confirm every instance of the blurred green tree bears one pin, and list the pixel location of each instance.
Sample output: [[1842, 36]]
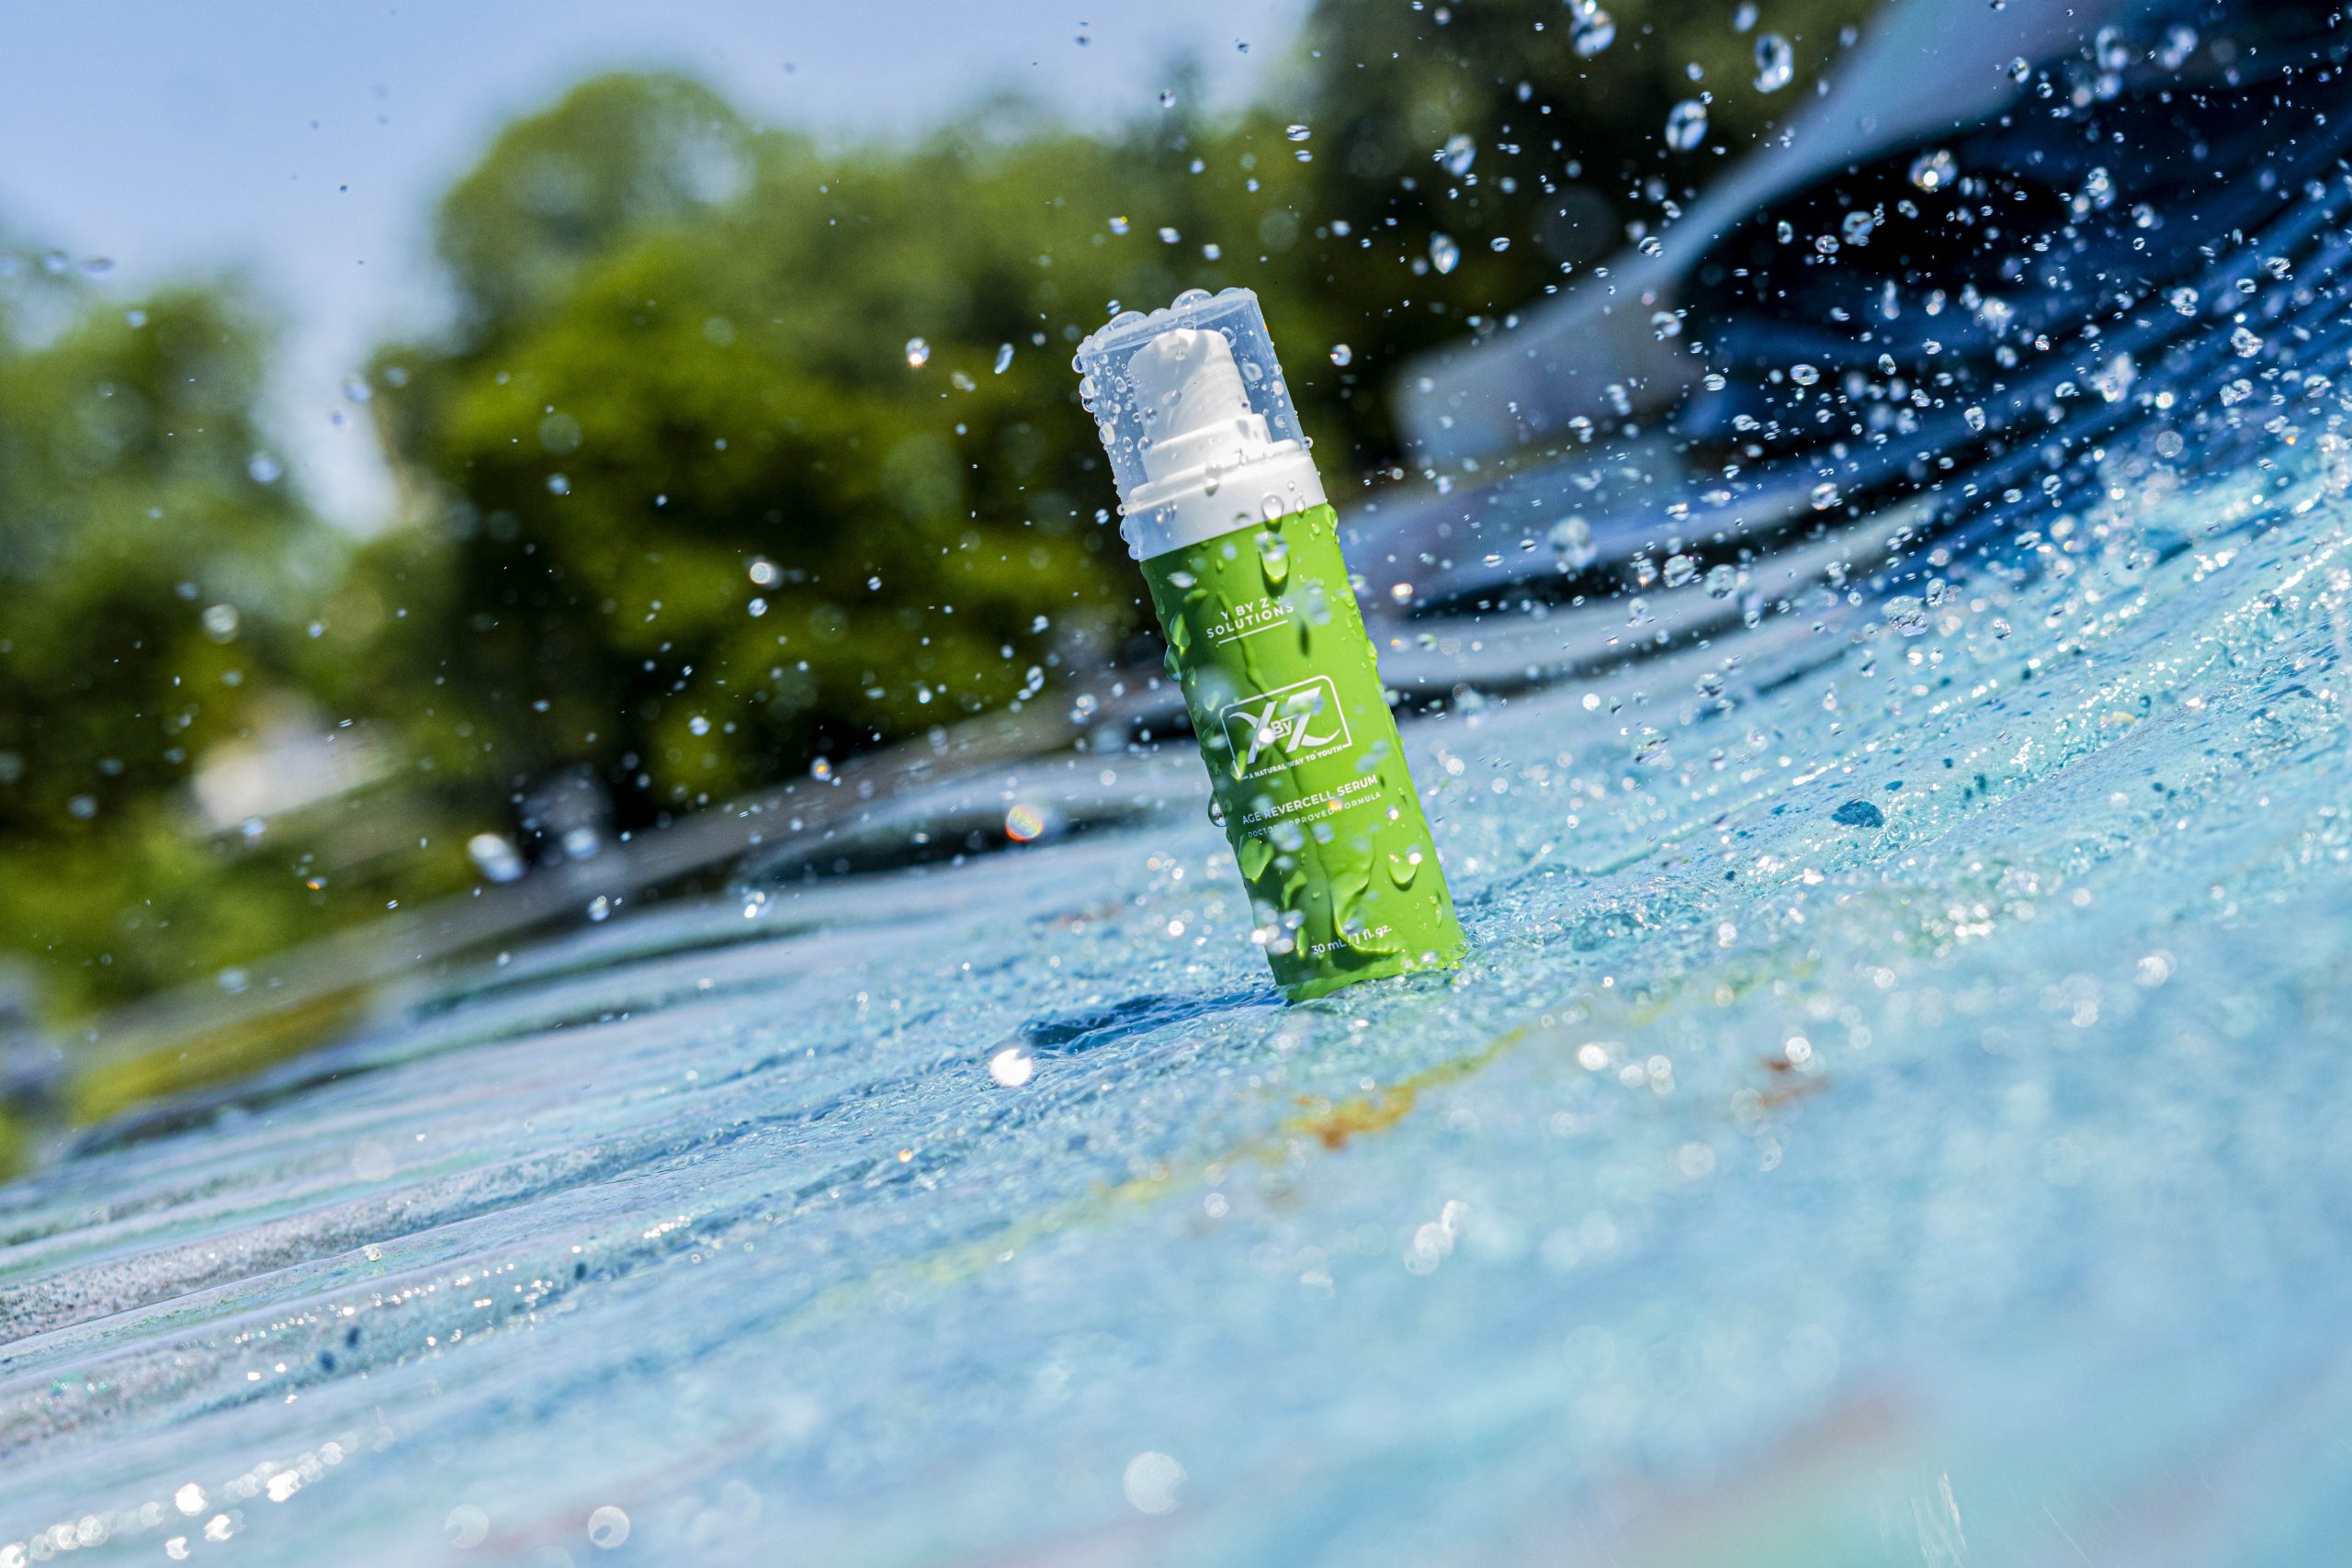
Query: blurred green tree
[[155, 585]]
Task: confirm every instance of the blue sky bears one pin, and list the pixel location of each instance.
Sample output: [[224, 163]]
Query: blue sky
[[301, 146]]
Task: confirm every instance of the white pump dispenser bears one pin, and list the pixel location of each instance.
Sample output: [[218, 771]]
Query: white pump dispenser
[[1200, 428]]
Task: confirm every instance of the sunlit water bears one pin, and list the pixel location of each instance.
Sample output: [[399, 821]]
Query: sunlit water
[[1895, 1113]]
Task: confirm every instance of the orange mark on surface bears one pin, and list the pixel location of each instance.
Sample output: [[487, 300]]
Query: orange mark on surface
[[1333, 1125]]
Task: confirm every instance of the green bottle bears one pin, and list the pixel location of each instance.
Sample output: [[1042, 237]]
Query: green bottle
[[1223, 506]]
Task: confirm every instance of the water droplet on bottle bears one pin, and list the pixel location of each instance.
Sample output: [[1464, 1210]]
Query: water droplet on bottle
[[1403, 868], [1254, 856], [1273, 559]]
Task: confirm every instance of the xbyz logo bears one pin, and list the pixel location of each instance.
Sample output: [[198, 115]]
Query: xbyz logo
[[1280, 724]]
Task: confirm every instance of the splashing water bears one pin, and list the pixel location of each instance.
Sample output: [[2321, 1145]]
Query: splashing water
[[1906, 1008]]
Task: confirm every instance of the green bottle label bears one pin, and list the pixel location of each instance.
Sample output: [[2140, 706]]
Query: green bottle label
[[1304, 759]]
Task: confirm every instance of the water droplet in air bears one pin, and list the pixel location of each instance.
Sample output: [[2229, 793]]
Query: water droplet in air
[[1341, 354], [699, 724], [607, 1528], [263, 469], [1686, 124], [1003, 358], [1803, 374], [1151, 1481], [1168, 98], [1679, 569], [1975, 416], [1572, 541], [821, 770], [1824, 496], [1296, 132], [918, 353], [1023, 822], [1593, 31], [1402, 593], [1459, 153], [1444, 255], [1168, 236], [1775, 63], [1721, 581], [1906, 614], [1934, 171]]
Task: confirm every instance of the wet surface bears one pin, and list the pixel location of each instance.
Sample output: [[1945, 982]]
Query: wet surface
[[1892, 1112]]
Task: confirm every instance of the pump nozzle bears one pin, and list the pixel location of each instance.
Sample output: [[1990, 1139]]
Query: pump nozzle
[[1194, 408], [1200, 430]]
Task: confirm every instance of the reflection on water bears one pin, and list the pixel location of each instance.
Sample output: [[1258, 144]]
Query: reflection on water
[[1893, 1113]]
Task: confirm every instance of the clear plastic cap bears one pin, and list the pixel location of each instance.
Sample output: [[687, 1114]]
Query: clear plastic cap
[[1200, 428]]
